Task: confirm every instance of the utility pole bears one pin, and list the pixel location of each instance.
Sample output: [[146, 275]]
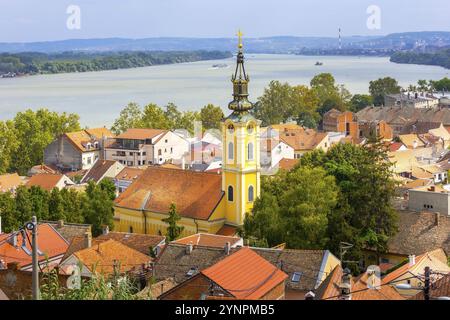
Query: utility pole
[[32, 226], [426, 289]]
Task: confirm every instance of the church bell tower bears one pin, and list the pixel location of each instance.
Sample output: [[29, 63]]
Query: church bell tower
[[241, 149]]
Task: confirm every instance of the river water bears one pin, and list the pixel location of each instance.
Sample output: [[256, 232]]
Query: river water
[[98, 97]]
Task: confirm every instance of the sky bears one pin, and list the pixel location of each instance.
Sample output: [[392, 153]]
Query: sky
[[46, 20]]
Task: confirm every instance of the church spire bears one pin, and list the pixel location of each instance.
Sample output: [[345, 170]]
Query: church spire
[[240, 81]]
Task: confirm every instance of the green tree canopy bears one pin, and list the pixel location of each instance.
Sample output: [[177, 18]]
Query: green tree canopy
[[211, 116], [173, 230], [379, 88], [360, 101], [130, 117]]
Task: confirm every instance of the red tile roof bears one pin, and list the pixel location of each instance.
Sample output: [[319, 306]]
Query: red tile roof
[[46, 181], [208, 240], [99, 169], [287, 164], [129, 174], [227, 230], [395, 146], [245, 275], [195, 194], [50, 242]]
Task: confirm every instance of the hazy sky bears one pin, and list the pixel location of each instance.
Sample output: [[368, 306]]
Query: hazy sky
[[42, 20]]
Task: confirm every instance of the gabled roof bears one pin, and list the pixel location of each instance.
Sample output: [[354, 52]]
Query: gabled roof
[[98, 170], [440, 288], [209, 240], [435, 257], [50, 243], [195, 194], [288, 164], [102, 256], [303, 139], [395, 146], [8, 182], [80, 139], [99, 133], [245, 275], [175, 262], [227, 230], [329, 289], [411, 141], [46, 181], [431, 228], [141, 134], [138, 242]]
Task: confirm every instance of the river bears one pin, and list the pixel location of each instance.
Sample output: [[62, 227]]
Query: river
[[98, 97]]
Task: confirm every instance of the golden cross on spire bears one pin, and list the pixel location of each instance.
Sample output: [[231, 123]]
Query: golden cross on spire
[[240, 34]]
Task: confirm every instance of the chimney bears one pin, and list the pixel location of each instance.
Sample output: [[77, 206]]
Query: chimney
[[105, 230], [437, 218], [412, 260], [60, 223], [310, 295], [415, 144], [227, 248], [433, 188], [13, 240], [13, 266], [189, 248], [87, 240], [346, 285]]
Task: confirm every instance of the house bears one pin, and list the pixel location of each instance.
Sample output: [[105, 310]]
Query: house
[[102, 169], [340, 121], [306, 268], [304, 140], [139, 147], [242, 275], [10, 182], [411, 141], [204, 152], [144, 243], [273, 150], [16, 248], [16, 284], [397, 146], [106, 257], [402, 120], [439, 290], [340, 285], [69, 230], [412, 270], [377, 128], [429, 198], [211, 240], [411, 100], [78, 150], [126, 177], [49, 181], [431, 228], [288, 164]]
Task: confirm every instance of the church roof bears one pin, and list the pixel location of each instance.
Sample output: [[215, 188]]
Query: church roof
[[195, 194]]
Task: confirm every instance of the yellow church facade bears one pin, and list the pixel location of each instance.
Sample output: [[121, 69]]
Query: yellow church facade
[[206, 202]]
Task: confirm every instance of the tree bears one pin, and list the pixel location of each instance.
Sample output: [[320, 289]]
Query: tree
[[273, 106], [24, 205], [329, 94], [379, 88], [8, 145], [441, 85], [154, 117], [364, 215], [40, 202], [97, 208], [303, 103], [293, 208], [55, 206], [360, 101], [130, 117], [173, 116], [211, 116], [8, 212], [108, 186], [173, 230]]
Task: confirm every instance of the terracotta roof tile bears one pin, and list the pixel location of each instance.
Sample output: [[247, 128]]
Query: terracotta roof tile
[[196, 194], [69, 230], [129, 173], [46, 181], [101, 257], [50, 242], [303, 139], [245, 274], [288, 164], [227, 230]]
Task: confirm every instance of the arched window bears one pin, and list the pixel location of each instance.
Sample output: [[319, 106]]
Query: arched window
[[230, 193], [250, 151], [250, 194], [231, 151], [130, 229]]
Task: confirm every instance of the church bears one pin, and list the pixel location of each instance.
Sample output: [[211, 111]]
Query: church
[[206, 202]]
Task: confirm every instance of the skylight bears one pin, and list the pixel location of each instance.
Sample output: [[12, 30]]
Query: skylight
[[296, 276]]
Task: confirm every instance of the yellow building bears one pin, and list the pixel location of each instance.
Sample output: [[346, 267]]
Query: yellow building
[[206, 202]]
